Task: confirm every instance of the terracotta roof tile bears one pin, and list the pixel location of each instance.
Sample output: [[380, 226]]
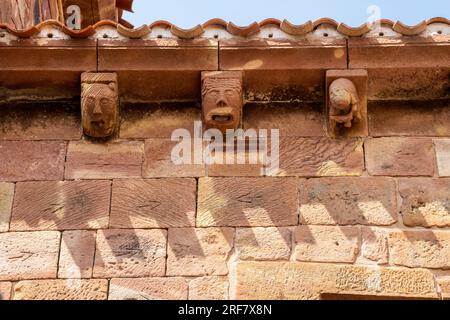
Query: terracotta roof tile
[[253, 30]]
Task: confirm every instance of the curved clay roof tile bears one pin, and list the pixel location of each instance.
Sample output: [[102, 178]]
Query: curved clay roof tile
[[133, 33], [410, 30], [243, 31], [187, 33], [297, 30], [353, 31]]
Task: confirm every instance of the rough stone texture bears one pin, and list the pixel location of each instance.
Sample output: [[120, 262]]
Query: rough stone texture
[[6, 201], [158, 160], [208, 288], [294, 281], [443, 156], [241, 202], [400, 156], [374, 246], [77, 254], [86, 160], [426, 202], [409, 118], [130, 253], [32, 160], [444, 285], [348, 201], [199, 252], [148, 289], [40, 121], [29, 255], [153, 203], [61, 205], [157, 120], [5, 290], [286, 117], [320, 157], [263, 243], [422, 249], [326, 244], [93, 289]]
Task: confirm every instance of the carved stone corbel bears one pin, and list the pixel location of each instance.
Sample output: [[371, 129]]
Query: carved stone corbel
[[222, 99], [99, 104], [347, 103]]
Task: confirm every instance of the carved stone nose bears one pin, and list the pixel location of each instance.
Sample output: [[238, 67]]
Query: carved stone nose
[[221, 102], [97, 110]]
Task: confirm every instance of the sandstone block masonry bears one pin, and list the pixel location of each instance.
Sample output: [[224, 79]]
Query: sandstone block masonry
[[366, 217]]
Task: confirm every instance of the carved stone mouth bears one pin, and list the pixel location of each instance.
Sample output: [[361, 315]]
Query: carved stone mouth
[[222, 118], [98, 123]]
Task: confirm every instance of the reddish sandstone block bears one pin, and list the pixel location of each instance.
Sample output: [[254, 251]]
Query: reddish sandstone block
[[374, 245], [400, 156], [159, 160], [153, 203], [240, 202], [173, 288], [286, 118], [199, 252], [77, 254], [61, 205], [130, 253], [320, 157], [92, 289], [409, 118], [5, 290], [32, 160], [420, 249], [40, 121], [208, 288], [326, 244], [6, 201], [157, 120], [29, 255], [86, 160], [348, 201], [263, 243], [443, 156], [426, 202]]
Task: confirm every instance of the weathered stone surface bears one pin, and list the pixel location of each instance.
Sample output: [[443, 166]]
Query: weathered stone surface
[[443, 156], [326, 243], [400, 156], [86, 160], [374, 246], [286, 117], [77, 254], [158, 161], [320, 157], [6, 201], [426, 202], [348, 201], [153, 203], [294, 281], [427, 249], [208, 288], [130, 253], [444, 285], [409, 118], [29, 255], [241, 202], [199, 252], [61, 205], [148, 289], [157, 120], [263, 243], [40, 121], [5, 290], [32, 160], [92, 289]]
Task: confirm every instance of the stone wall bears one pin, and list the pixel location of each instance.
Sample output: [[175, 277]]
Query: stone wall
[[347, 217]]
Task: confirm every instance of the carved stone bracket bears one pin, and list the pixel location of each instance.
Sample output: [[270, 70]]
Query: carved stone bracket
[[347, 103], [222, 99], [99, 104]]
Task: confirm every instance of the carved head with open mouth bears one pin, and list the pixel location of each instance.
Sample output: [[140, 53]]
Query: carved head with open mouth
[[99, 104], [222, 99]]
